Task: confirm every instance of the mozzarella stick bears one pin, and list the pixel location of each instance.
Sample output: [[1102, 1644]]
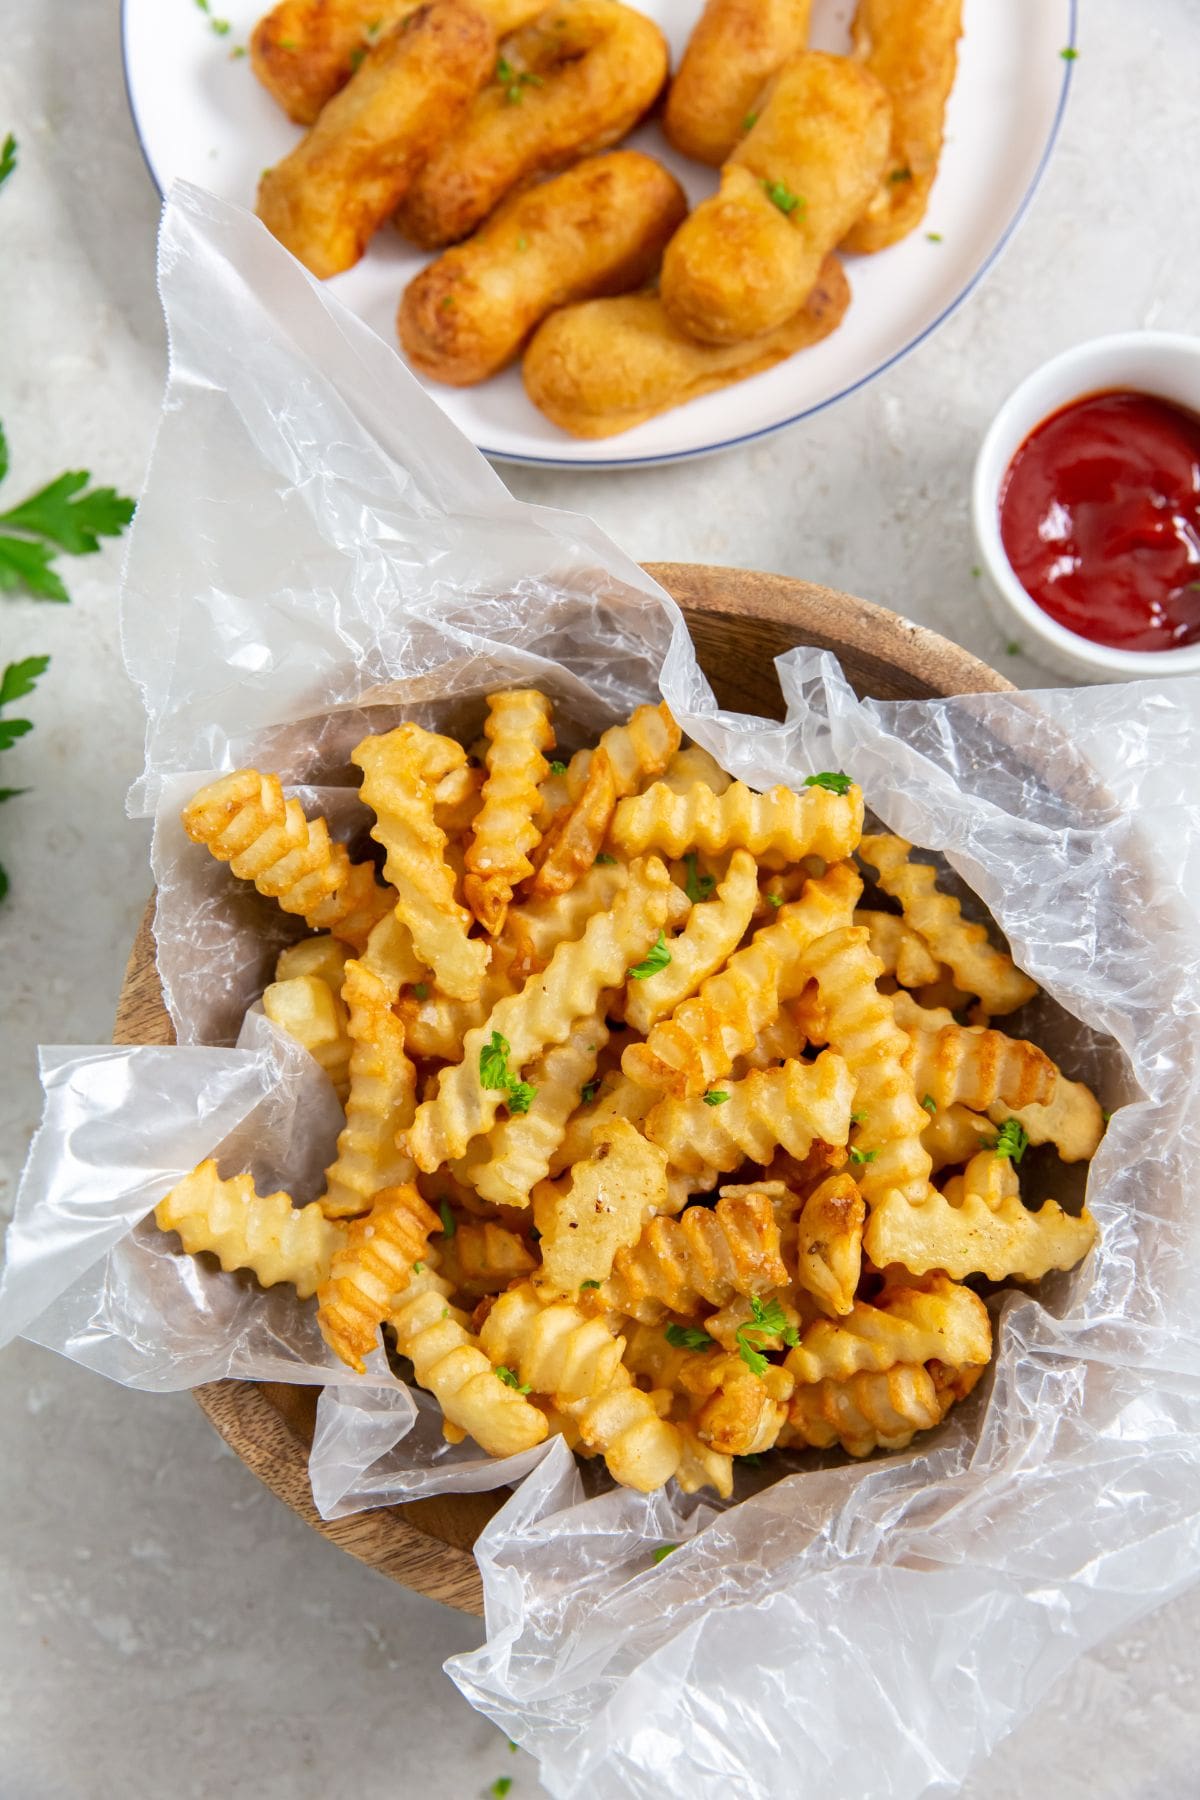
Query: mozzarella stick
[[598, 229], [609, 365], [912, 46], [731, 55], [747, 260], [326, 199]]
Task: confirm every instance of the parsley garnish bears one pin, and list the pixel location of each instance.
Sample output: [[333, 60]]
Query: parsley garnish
[[357, 58], [17, 680], [523, 244], [65, 517], [775, 900], [858, 1118], [832, 780], [513, 80], [1013, 1140], [930, 1104], [1070, 54], [558, 768], [663, 1551], [900, 175], [588, 1284], [717, 1097], [1012, 648], [934, 237], [420, 990], [494, 1072], [588, 1091], [766, 1321], [687, 1337], [783, 197], [976, 571], [863, 1156], [656, 958], [501, 1785], [752, 1460], [287, 43], [750, 121], [221, 27], [697, 887], [449, 1222], [8, 158], [604, 857], [510, 1380]]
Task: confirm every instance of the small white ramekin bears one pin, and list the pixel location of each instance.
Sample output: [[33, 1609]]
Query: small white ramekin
[[1161, 363]]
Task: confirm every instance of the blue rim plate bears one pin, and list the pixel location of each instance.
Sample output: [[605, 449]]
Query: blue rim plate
[[199, 114]]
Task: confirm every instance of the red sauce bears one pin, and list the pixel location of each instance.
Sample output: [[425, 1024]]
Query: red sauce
[[1100, 517]]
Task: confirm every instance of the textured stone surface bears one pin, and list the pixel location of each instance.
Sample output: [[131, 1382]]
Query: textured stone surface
[[165, 1626]]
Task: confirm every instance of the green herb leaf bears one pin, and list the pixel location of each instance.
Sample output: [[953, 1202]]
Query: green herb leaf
[[523, 244], [588, 1092], [751, 1459], [663, 1551], [900, 175], [521, 1096], [420, 990], [30, 566], [358, 57], [8, 162], [418, 1268], [697, 887], [3, 881], [687, 1337], [11, 730], [863, 1156], [1012, 1141], [604, 857], [76, 525], [221, 27], [493, 1062], [935, 237], [717, 1097], [500, 1786], [976, 571], [783, 197], [750, 121], [510, 1380], [767, 1319], [237, 53], [859, 1118], [558, 768], [21, 678], [656, 958], [1070, 54], [1012, 648], [449, 1222], [775, 900], [11, 794], [930, 1104], [589, 1284], [832, 780]]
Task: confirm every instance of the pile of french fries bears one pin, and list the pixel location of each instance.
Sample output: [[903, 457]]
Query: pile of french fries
[[659, 1134], [473, 126]]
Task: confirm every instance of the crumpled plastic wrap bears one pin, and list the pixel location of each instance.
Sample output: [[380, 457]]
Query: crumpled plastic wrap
[[319, 553]]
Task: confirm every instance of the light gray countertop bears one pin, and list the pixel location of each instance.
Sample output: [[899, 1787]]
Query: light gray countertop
[[166, 1627]]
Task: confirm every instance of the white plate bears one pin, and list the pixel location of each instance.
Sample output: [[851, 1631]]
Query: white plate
[[201, 115]]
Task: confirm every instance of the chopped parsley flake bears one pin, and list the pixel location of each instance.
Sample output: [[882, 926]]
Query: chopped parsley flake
[[588, 1092], [663, 1551], [900, 175], [934, 237], [589, 1284], [863, 1156], [697, 887], [832, 780], [494, 1073], [557, 768], [605, 858], [420, 990], [449, 1222], [750, 121], [687, 1337], [1012, 1141], [930, 1104], [783, 197], [510, 1380], [717, 1097], [656, 958]]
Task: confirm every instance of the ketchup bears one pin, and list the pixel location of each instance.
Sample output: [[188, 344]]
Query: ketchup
[[1100, 518]]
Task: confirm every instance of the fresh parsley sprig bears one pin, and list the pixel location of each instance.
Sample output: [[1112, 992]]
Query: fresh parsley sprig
[[67, 515], [687, 1337], [510, 1379], [783, 198], [832, 780], [767, 1320], [494, 1072], [656, 958], [1012, 1140], [8, 157], [697, 887], [18, 679]]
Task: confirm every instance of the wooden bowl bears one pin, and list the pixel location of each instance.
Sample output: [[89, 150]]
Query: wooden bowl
[[739, 622]]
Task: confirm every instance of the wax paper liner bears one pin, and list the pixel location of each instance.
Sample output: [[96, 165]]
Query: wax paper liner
[[319, 553]]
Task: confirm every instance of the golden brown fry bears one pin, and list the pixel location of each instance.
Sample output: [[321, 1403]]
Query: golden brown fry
[[244, 820], [954, 1133], [912, 46], [901, 950], [518, 1151], [734, 49], [829, 1243], [586, 1217], [322, 956], [534, 930], [975, 1238], [573, 841], [780, 823], [743, 1413], [869, 1411], [703, 1255], [518, 731], [692, 765], [311, 1012], [600, 228], [573, 81], [713, 932], [303, 51], [371, 1269], [483, 1257], [969, 1064], [978, 967], [747, 1120], [329, 195], [608, 365], [747, 260], [247, 1230], [1071, 1119], [912, 1321], [380, 1103], [640, 749]]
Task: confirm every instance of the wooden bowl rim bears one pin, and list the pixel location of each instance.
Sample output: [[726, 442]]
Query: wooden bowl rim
[[418, 1544]]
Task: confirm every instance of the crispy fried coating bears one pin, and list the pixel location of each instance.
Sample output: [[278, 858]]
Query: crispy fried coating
[[912, 1321], [713, 932], [871, 1411], [747, 1120], [311, 1012], [328, 197], [829, 1243], [912, 46], [303, 51], [381, 1100], [608, 365], [735, 48], [572, 82], [586, 1217], [781, 823], [975, 1238], [747, 259], [970, 1065], [703, 1255], [518, 730], [371, 1269], [247, 1230], [600, 228]]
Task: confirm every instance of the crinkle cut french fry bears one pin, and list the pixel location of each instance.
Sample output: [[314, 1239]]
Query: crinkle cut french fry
[[912, 1321], [978, 967], [588, 1216], [323, 956], [619, 1098], [638, 751], [573, 841], [311, 1012], [987, 1177], [400, 769], [692, 765], [975, 1238], [534, 930], [542, 1014], [704, 1255], [886, 1146], [698, 1045], [742, 1413], [371, 1268], [381, 1101], [457, 799], [789, 1106], [702, 1466], [555, 1348], [326, 199], [867, 1412], [828, 1249], [713, 932], [1071, 1119], [243, 820], [954, 1134], [264, 1233], [779, 823], [483, 1257], [520, 1148], [518, 731], [901, 950], [642, 1450], [969, 1064]]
